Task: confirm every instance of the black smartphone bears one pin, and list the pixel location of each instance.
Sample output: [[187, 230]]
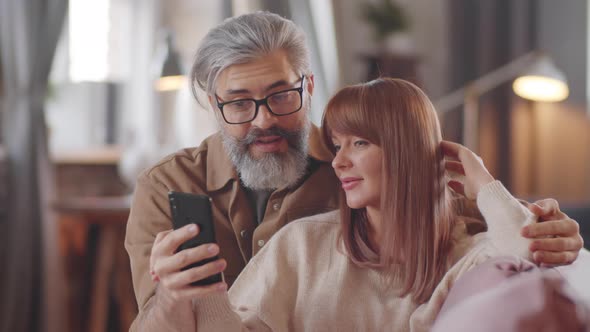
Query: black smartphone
[[187, 209]]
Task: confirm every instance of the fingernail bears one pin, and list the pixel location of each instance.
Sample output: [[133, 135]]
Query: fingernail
[[192, 228], [221, 287], [212, 249], [525, 231], [532, 246]]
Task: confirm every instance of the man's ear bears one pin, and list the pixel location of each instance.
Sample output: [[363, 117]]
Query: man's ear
[[310, 85], [212, 103]]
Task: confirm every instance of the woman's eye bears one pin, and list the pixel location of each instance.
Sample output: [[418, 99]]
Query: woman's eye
[[336, 147], [361, 143]]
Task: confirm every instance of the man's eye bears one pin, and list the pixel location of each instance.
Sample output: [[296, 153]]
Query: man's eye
[[280, 97], [240, 105]]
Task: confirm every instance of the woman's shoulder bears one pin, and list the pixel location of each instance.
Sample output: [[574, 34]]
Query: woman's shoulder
[[322, 220], [310, 227], [309, 239], [306, 233]]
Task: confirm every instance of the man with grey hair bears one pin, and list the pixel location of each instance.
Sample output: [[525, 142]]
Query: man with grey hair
[[266, 167]]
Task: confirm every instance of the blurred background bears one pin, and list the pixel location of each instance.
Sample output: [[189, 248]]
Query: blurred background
[[92, 92]]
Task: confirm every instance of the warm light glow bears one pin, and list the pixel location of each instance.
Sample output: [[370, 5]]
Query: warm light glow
[[169, 83], [539, 88]]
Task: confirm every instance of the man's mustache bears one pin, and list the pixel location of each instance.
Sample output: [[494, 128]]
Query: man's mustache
[[256, 133]]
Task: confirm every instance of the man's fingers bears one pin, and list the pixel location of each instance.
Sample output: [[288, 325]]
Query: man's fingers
[[564, 227], [545, 207], [174, 239], [182, 279], [555, 258], [556, 244], [161, 235], [454, 167], [183, 258], [158, 239]]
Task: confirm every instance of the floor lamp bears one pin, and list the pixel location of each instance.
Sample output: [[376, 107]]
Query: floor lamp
[[536, 78]]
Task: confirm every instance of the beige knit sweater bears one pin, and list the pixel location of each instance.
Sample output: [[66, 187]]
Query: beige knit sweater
[[300, 281]]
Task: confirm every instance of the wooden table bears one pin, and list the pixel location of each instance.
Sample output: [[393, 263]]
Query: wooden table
[[109, 272]]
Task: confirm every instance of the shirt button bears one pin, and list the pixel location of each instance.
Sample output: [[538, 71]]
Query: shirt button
[[243, 234], [276, 206], [260, 243]]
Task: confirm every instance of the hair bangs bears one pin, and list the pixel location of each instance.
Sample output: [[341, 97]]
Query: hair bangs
[[351, 112]]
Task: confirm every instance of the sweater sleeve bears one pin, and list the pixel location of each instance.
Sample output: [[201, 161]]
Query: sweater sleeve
[[263, 296], [505, 217]]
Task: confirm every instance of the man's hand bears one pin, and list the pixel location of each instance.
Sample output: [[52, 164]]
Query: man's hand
[[557, 238], [166, 267], [171, 307]]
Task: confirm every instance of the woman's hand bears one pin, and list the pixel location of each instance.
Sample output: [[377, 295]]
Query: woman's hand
[[473, 175]]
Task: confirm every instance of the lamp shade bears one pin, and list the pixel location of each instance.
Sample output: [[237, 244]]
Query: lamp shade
[[542, 81], [169, 67]]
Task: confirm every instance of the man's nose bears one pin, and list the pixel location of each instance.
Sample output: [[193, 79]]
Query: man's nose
[[264, 119]]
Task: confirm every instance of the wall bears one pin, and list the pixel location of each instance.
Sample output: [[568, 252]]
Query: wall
[[428, 30], [562, 32], [551, 154]]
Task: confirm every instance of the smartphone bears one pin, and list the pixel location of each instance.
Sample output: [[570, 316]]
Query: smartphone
[[187, 209]]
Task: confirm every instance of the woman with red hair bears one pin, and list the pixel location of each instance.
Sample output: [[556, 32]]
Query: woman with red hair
[[387, 259]]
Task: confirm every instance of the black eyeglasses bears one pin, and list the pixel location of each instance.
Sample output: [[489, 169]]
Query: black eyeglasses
[[280, 103]]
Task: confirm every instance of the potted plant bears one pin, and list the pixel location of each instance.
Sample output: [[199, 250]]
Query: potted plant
[[390, 25]]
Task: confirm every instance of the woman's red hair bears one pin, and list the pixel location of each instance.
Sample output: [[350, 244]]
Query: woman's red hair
[[415, 202]]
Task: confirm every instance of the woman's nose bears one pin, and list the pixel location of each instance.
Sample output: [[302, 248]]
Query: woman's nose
[[340, 160]]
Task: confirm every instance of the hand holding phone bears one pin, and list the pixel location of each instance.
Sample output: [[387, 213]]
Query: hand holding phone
[[187, 209]]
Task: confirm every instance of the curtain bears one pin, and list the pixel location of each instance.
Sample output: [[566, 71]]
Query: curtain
[[485, 35], [30, 280]]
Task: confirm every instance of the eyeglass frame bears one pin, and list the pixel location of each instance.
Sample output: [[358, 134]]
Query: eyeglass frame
[[263, 101]]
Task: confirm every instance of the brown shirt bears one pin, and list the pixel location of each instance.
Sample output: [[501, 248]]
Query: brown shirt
[[208, 170]]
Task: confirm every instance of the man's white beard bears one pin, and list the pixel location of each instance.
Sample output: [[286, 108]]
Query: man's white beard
[[275, 169]]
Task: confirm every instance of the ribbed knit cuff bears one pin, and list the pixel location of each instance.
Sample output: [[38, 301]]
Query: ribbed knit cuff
[[494, 197], [505, 217], [213, 308]]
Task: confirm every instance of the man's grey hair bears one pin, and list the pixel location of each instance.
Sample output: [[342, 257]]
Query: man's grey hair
[[243, 39]]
